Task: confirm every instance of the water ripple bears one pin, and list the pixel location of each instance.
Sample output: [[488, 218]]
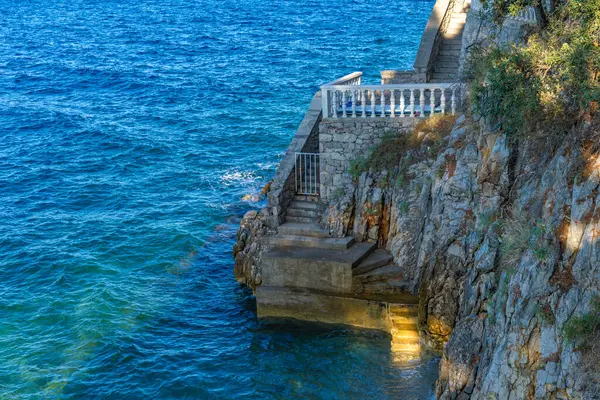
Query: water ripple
[[130, 133]]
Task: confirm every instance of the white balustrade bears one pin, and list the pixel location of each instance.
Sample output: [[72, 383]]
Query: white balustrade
[[331, 99], [415, 100]]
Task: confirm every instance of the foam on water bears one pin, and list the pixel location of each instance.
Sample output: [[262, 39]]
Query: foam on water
[[129, 133]]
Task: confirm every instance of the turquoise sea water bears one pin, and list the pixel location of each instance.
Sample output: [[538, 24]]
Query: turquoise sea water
[[129, 133]]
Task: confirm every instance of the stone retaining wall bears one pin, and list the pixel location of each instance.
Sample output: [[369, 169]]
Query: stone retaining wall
[[343, 140]]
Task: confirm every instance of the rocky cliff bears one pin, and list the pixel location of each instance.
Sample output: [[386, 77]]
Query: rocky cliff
[[499, 239]]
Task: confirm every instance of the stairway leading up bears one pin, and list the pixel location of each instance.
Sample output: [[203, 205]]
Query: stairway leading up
[[445, 68]]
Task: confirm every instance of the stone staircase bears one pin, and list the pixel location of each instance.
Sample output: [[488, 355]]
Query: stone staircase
[[445, 68], [301, 241], [406, 346], [303, 255], [341, 277], [378, 275]]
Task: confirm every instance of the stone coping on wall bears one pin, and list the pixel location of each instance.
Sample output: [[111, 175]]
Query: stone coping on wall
[[283, 185]]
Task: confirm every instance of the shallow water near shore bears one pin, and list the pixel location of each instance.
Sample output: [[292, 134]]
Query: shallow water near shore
[[129, 133]]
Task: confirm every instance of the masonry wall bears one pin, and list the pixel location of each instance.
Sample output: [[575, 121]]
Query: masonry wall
[[343, 140]]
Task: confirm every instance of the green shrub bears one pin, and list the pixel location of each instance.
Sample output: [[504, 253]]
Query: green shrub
[[549, 83], [545, 315], [584, 331], [404, 207], [357, 167]]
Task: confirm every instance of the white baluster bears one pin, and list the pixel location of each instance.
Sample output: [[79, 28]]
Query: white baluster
[[422, 101], [372, 104], [412, 102], [453, 100], [393, 102], [325, 105], [363, 103], [382, 102], [402, 105], [334, 104], [432, 101], [354, 103], [344, 101], [443, 101]]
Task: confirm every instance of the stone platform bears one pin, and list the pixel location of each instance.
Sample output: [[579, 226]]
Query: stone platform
[[394, 314]]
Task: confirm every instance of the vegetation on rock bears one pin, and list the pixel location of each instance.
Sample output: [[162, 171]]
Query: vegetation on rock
[[395, 153], [549, 83]]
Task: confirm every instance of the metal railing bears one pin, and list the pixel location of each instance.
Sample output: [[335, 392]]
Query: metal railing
[[403, 100], [307, 173]]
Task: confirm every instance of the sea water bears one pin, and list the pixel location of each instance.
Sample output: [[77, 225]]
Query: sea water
[[130, 131]]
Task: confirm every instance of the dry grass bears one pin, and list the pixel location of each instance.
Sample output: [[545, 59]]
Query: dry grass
[[516, 236]]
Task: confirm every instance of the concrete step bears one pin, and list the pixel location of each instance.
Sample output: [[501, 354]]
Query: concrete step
[[380, 274], [301, 197], [449, 53], [312, 242], [412, 346], [444, 77], [454, 31], [400, 310], [444, 59], [377, 259], [303, 229], [402, 335], [302, 212], [406, 358], [450, 43], [299, 220], [440, 64], [407, 319], [404, 327], [351, 256], [305, 205], [387, 287], [458, 18], [445, 69]]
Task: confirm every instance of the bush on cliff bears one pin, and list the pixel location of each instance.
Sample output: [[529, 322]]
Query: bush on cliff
[[547, 85], [584, 333]]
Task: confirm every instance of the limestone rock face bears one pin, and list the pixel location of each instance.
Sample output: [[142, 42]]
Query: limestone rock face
[[248, 249], [500, 241]]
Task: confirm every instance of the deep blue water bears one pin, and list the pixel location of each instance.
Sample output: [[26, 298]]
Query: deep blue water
[[129, 132]]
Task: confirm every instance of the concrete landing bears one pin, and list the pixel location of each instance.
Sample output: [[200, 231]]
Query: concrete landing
[[396, 315], [317, 306], [351, 256], [303, 229], [313, 268], [305, 241]]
